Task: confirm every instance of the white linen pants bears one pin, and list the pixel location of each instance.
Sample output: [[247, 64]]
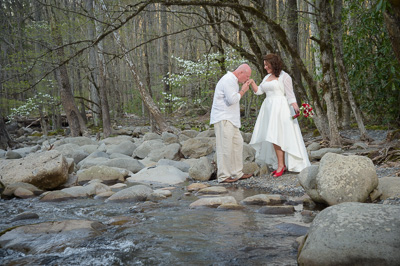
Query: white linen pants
[[229, 144]]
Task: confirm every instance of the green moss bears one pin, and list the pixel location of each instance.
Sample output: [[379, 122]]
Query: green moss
[[316, 133], [37, 134]]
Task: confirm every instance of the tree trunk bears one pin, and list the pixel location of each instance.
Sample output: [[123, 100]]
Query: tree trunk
[[105, 112], [392, 21], [293, 32], [326, 58], [148, 20], [165, 56], [75, 121], [93, 66], [5, 139]]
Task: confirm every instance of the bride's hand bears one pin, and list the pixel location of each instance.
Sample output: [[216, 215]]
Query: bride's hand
[[296, 108]]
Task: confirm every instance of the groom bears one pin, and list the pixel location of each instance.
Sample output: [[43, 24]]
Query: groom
[[225, 115]]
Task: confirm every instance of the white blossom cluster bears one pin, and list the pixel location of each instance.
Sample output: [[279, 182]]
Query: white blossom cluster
[[40, 100], [207, 67]]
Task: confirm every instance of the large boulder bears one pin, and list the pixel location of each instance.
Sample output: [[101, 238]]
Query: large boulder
[[201, 170], [134, 194], [144, 149], [389, 186], [45, 170], [102, 172], [341, 179], [163, 174], [170, 152], [125, 147], [73, 151], [129, 164], [198, 147], [353, 234], [213, 202], [49, 237]]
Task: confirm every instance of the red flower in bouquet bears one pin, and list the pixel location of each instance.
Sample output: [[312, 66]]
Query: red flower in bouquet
[[306, 110]]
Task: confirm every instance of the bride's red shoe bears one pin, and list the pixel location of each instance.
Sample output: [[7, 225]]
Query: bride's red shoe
[[278, 174]]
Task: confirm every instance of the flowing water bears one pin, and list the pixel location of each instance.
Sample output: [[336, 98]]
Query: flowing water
[[163, 233]]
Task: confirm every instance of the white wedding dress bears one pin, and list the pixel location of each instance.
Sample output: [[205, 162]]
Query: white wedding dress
[[275, 125]]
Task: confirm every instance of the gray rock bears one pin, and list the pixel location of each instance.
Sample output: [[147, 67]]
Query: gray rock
[[318, 154], [198, 147], [102, 172], [264, 199], [73, 151], [201, 170], [247, 137], [184, 167], [50, 237], [134, 194], [119, 156], [129, 164], [56, 196], [89, 149], [249, 153], [164, 174], [25, 216], [9, 190], [46, 170], [151, 136], [389, 187], [80, 141], [359, 145], [115, 140], [23, 193], [215, 190], [125, 147], [308, 180], [206, 134], [144, 149], [86, 191], [345, 178], [13, 155], [212, 202], [169, 138], [189, 133], [353, 234], [251, 168], [89, 162], [170, 152], [2, 153], [313, 147]]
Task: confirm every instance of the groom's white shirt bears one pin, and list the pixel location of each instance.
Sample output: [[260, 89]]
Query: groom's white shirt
[[226, 104]]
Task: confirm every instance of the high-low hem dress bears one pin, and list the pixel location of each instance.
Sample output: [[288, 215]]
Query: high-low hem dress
[[275, 125]]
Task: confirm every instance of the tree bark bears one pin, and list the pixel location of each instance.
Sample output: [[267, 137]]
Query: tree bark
[[75, 121], [93, 66], [392, 21], [165, 56], [5, 139], [326, 58], [105, 111]]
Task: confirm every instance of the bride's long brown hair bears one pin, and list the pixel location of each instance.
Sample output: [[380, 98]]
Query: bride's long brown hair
[[276, 63]]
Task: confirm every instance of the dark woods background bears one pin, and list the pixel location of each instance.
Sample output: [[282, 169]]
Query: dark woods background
[[108, 60]]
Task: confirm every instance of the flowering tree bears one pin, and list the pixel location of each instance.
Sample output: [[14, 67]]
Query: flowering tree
[[198, 78]]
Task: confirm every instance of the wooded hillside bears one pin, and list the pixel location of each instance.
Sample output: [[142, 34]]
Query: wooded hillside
[[106, 59]]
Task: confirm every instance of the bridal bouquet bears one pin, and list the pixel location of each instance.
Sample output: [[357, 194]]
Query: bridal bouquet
[[306, 110]]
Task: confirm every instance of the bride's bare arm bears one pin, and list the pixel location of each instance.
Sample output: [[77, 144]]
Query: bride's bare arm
[[253, 85]]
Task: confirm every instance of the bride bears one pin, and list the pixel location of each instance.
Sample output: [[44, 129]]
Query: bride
[[277, 137]]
